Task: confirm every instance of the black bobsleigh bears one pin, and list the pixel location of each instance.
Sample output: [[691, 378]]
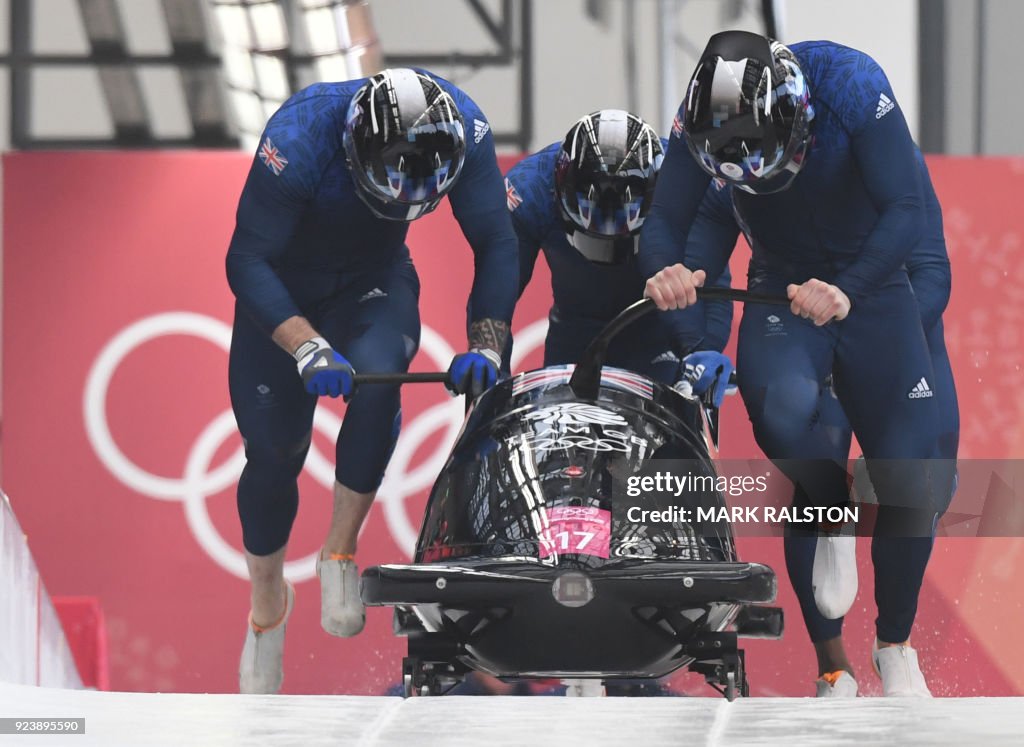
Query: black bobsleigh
[[527, 564]]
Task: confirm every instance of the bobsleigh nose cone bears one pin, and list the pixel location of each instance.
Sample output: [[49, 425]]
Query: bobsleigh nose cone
[[572, 589]]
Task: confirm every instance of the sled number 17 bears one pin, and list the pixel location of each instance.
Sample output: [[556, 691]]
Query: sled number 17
[[576, 529], [563, 537]]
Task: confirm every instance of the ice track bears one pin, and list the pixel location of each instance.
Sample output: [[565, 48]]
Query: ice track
[[139, 719]]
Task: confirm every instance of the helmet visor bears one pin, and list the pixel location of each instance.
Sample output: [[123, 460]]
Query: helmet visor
[[745, 125], [606, 205], [420, 167]]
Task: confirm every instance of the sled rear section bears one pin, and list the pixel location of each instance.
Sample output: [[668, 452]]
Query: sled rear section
[[528, 563]]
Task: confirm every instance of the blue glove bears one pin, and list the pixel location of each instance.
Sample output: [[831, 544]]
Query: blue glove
[[706, 371], [473, 373], [324, 370]]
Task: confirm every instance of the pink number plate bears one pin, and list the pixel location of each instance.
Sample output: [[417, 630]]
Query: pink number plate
[[578, 530]]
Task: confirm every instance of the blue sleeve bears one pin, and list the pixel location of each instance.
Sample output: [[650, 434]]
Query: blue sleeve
[[709, 245], [718, 317], [528, 240], [529, 249], [677, 197], [928, 264], [478, 201], [885, 153], [281, 180]]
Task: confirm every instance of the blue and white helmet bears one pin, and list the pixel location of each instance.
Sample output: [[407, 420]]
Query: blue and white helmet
[[747, 112], [605, 175], [405, 142]]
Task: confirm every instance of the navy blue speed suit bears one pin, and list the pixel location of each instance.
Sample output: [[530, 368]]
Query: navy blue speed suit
[[851, 218], [587, 295], [930, 277], [306, 245]]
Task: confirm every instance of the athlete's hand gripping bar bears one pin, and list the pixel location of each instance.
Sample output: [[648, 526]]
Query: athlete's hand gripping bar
[[586, 379]]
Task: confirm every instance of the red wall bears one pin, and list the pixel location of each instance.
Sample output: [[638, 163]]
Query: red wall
[[108, 249]]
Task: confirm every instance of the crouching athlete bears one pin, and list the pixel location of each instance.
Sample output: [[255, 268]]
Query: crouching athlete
[[828, 191], [822, 566], [325, 287], [583, 203]]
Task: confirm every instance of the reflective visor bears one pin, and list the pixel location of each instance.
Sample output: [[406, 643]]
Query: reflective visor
[[748, 123], [421, 167], [402, 212], [609, 206]]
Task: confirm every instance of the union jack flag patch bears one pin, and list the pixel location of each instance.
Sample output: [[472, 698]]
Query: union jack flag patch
[[272, 157], [512, 196], [677, 126]]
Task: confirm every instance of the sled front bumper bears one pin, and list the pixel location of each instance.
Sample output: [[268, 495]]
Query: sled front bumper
[[667, 584]]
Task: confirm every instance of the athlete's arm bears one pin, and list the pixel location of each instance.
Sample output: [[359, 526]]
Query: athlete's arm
[[479, 204], [928, 263], [272, 203], [885, 154], [709, 246], [292, 332], [710, 240], [529, 250], [677, 198], [718, 317]]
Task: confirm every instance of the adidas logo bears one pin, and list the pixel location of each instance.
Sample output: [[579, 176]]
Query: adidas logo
[[479, 130], [375, 293], [885, 105], [667, 357], [921, 390]]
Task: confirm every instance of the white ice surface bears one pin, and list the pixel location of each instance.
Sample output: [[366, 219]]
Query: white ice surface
[[138, 720]]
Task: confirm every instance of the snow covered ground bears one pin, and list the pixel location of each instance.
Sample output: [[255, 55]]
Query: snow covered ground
[[139, 719]]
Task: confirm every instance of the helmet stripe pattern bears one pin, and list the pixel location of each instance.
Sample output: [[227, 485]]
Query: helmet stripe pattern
[[405, 142], [604, 182], [409, 100], [747, 112]]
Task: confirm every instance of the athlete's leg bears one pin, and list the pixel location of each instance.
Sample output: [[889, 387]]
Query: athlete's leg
[[274, 415], [885, 382], [374, 323], [948, 410], [376, 327], [801, 545], [782, 365]]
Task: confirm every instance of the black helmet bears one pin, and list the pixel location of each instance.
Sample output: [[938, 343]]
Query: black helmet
[[405, 142], [747, 112], [604, 182]]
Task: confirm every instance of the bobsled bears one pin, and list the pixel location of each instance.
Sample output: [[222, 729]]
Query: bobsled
[[533, 561]]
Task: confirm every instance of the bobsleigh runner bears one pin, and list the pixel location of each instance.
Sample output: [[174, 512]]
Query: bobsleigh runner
[[526, 565]]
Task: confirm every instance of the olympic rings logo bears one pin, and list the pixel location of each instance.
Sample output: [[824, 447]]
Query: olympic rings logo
[[201, 478]]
